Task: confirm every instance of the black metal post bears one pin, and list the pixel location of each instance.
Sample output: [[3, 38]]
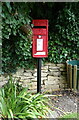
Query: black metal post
[[39, 75]]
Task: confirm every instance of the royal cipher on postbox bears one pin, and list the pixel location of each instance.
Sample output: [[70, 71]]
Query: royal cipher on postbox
[[40, 38]]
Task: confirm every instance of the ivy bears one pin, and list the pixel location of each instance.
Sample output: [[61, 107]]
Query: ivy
[[65, 38], [17, 43]]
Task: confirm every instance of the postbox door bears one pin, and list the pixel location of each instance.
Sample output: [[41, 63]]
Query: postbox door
[[40, 46]]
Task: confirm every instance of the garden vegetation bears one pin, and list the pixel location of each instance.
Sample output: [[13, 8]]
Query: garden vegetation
[[63, 33], [17, 102]]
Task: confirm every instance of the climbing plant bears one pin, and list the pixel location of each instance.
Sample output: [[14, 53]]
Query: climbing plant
[[63, 29], [16, 43], [64, 40]]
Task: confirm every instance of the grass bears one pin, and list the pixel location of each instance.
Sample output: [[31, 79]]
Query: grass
[[69, 116]]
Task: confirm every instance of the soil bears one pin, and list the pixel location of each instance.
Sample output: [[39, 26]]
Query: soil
[[63, 102]]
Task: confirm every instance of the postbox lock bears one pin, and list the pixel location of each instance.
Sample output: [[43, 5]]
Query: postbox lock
[[39, 36]]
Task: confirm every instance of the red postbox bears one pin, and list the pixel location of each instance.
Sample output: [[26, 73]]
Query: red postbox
[[40, 38]]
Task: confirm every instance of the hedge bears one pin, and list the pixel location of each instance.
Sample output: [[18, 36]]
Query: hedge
[[63, 33]]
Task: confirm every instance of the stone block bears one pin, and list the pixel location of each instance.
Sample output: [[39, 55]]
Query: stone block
[[52, 78], [33, 86], [15, 75], [41, 82], [2, 78], [42, 74], [19, 71], [25, 85], [35, 74], [35, 70], [47, 63], [44, 82], [61, 86], [52, 82], [61, 65], [42, 86], [62, 70], [63, 73], [2, 83], [47, 90], [44, 68], [34, 79], [44, 71], [25, 81], [62, 81], [21, 80], [58, 73], [29, 74], [54, 68], [17, 78], [26, 77], [63, 78], [34, 83], [52, 87], [28, 71], [43, 78], [50, 64], [23, 77], [55, 87], [65, 86]]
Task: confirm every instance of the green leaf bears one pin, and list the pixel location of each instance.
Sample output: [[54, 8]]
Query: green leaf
[[8, 6], [11, 113]]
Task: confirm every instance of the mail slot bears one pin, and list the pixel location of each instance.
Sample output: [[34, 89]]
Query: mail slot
[[40, 38]]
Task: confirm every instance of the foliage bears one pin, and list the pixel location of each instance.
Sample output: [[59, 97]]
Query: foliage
[[63, 29], [63, 32], [66, 42], [16, 45], [17, 102]]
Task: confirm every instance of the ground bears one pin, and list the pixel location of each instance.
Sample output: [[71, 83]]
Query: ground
[[63, 102]]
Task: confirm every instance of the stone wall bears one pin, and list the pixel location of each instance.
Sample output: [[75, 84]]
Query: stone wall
[[53, 77]]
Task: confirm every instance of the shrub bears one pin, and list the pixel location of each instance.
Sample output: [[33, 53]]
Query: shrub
[[17, 46], [17, 102], [63, 33]]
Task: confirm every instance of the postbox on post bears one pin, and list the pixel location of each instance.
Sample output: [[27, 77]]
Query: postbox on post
[[40, 38], [39, 45]]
